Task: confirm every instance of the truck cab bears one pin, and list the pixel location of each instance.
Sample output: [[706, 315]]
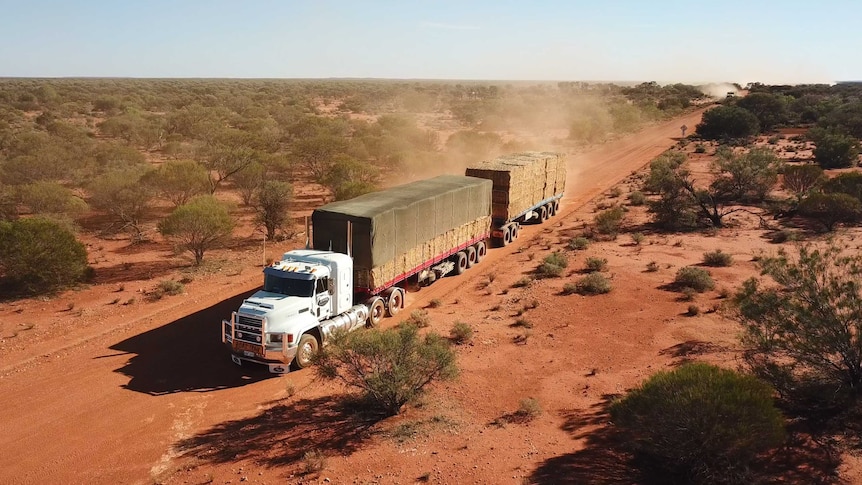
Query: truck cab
[[304, 298]]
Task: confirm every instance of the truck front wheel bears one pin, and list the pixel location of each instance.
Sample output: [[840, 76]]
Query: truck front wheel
[[306, 348], [376, 312]]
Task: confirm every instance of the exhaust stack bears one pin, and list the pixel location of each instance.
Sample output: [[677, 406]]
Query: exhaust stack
[[350, 239], [307, 234]]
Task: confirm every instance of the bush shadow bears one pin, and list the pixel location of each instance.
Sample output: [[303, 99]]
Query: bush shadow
[[283, 433], [186, 355], [600, 462]]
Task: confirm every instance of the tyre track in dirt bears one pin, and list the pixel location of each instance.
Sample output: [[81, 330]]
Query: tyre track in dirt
[[109, 409]]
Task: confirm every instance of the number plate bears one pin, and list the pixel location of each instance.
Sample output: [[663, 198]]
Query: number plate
[[248, 349]]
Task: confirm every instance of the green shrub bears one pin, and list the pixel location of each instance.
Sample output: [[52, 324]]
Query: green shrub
[[608, 222], [39, 256], [695, 278], [522, 323], [461, 333], [390, 367], [594, 264], [528, 409], [579, 243], [553, 265], [717, 259], [652, 267], [693, 310], [435, 303], [418, 319], [699, 423], [637, 198], [638, 238], [699, 148], [523, 282], [171, 287], [592, 284]]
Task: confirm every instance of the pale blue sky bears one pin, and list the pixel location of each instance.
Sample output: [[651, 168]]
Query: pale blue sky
[[664, 40]]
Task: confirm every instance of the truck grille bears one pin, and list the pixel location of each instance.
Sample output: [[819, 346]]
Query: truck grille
[[249, 329]]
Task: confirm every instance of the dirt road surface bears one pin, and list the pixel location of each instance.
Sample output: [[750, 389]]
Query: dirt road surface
[[109, 408]]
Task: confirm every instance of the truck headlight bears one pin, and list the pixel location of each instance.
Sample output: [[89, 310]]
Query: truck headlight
[[275, 337]]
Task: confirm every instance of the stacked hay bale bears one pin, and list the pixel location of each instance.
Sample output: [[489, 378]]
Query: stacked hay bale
[[401, 230], [521, 181]]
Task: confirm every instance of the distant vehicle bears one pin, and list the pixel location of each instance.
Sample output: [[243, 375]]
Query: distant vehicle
[[364, 250]]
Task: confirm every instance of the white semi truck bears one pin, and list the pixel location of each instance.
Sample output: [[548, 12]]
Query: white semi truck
[[363, 251]]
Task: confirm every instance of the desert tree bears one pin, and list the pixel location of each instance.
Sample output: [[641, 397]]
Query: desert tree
[[849, 183], [835, 150], [682, 202], [249, 180], [199, 225], [771, 110], [39, 256], [746, 177], [831, 209], [348, 177], [50, 198], [803, 330], [316, 153], [233, 151], [179, 180], [800, 179], [273, 200], [122, 194], [728, 122]]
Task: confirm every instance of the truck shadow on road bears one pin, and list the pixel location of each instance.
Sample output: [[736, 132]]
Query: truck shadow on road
[[281, 435], [186, 355]]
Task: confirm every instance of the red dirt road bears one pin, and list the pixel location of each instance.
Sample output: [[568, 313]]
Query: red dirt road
[[110, 408]]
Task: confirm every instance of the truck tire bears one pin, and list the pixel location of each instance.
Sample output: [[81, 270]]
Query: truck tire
[[507, 235], [552, 209], [543, 214], [556, 206], [460, 262], [481, 250], [305, 350], [471, 256], [395, 302], [376, 312], [516, 230]]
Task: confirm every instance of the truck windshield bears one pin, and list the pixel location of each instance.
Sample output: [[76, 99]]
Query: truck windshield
[[288, 286]]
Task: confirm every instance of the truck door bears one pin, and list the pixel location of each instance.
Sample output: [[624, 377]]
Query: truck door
[[323, 299]]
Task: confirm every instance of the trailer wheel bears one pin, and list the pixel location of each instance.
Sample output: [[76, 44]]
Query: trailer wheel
[[471, 256], [305, 350], [516, 230], [507, 236], [543, 214], [556, 206], [395, 302], [376, 312], [552, 209], [460, 262], [481, 250]]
